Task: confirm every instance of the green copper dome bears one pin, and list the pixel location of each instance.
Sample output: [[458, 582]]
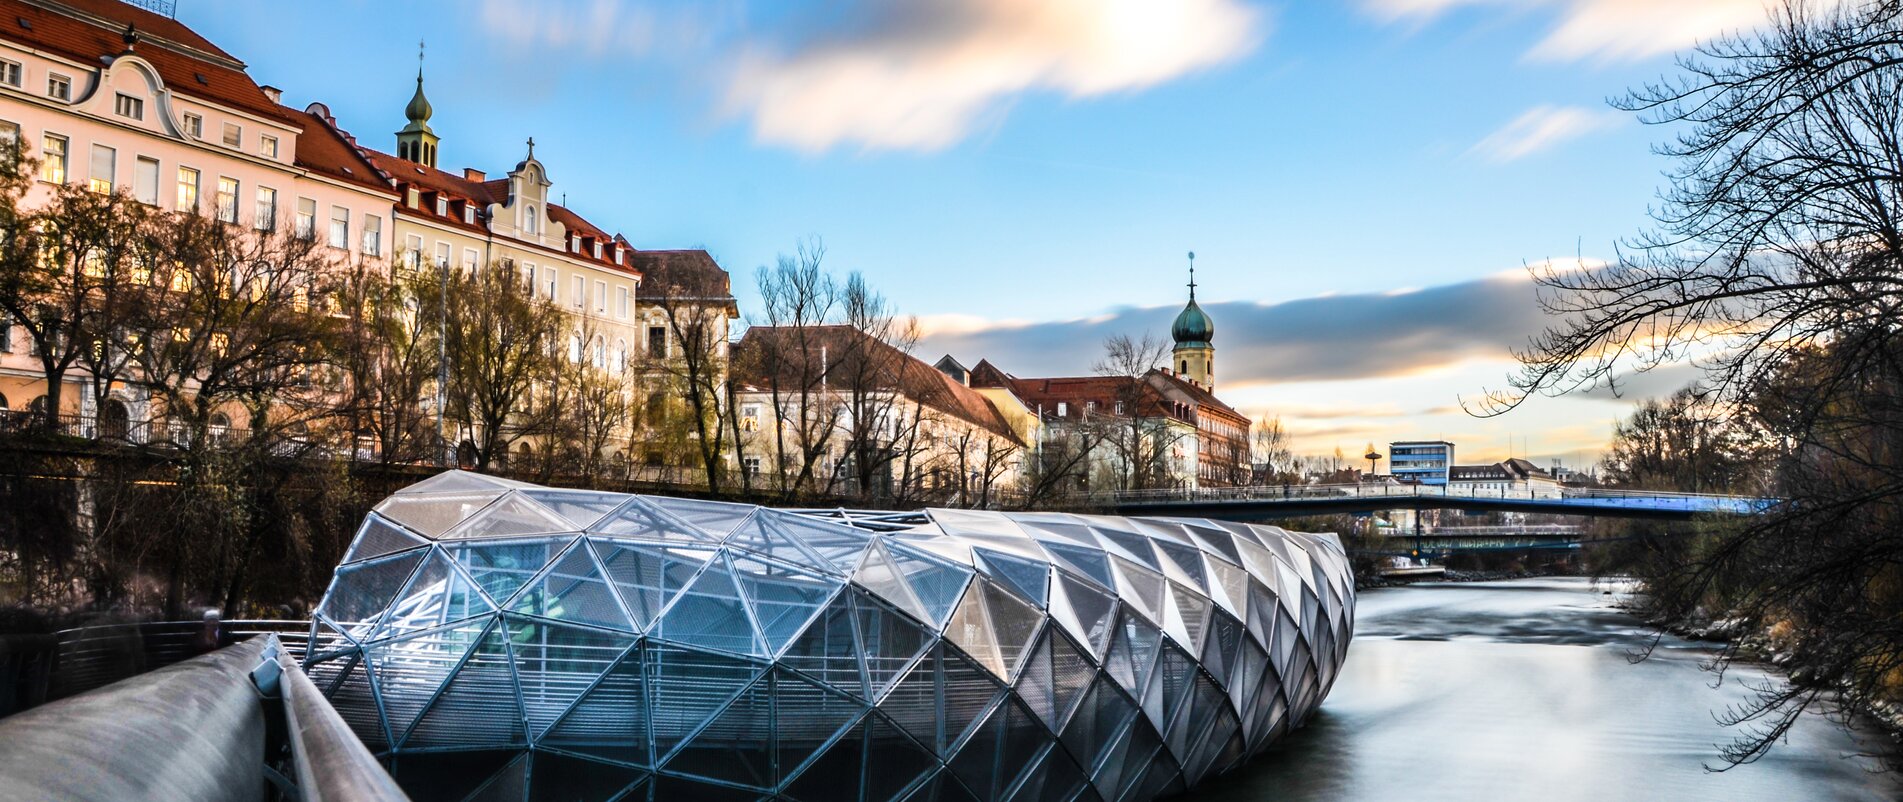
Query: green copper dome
[[1193, 325]]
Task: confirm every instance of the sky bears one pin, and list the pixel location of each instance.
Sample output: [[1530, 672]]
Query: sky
[[1363, 181]]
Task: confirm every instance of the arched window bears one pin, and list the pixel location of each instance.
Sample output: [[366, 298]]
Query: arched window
[[115, 420], [531, 222], [574, 347], [220, 426], [621, 356], [599, 354]]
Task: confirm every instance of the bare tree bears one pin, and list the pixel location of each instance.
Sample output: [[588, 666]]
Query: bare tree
[[502, 348], [391, 356], [1274, 457], [1146, 438], [696, 301], [799, 298]]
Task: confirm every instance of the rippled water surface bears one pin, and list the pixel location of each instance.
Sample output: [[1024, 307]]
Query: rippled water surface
[[1523, 690]]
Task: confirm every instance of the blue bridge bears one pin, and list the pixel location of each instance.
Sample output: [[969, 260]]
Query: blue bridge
[[1294, 501]]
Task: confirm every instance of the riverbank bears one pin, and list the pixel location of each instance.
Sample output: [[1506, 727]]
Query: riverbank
[[1522, 689]]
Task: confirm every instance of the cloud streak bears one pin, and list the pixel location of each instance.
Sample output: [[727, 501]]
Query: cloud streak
[[1329, 338], [1542, 128], [1603, 30], [923, 74]]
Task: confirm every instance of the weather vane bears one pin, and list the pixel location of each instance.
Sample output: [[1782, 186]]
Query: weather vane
[[1192, 275]]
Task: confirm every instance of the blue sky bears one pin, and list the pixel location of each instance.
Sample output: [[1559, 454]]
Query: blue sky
[[1027, 176]]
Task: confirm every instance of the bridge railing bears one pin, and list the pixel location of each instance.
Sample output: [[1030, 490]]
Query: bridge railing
[[35, 669], [1558, 495]]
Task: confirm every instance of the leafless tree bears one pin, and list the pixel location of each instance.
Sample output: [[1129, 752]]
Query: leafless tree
[[1274, 456], [1146, 438], [798, 297], [696, 305], [502, 348]]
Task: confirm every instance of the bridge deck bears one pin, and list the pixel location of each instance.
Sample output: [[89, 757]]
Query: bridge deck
[[1259, 503]]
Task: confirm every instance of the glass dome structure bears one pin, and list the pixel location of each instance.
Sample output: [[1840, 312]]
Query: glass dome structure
[[498, 640]]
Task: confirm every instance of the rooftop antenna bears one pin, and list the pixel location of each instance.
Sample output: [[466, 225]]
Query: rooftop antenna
[[1192, 275]]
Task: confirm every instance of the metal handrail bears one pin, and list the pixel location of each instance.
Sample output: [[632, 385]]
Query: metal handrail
[[331, 764], [1387, 490]]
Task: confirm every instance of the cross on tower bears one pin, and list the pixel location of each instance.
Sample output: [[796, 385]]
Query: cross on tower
[[419, 59], [531, 147]]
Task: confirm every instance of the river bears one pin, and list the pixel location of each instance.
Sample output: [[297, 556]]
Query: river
[[1523, 690]]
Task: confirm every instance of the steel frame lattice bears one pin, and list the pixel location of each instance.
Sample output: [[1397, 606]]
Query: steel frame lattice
[[498, 640]]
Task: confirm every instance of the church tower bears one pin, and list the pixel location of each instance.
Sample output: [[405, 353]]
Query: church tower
[[416, 141], [1194, 356]]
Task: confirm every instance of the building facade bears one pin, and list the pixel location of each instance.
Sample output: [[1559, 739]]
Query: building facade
[[1426, 462], [1513, 477]]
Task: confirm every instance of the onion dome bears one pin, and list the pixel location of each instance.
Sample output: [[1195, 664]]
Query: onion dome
[[1192, 326], [419, 109]]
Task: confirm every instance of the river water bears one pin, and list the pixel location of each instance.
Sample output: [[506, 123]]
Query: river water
[[1523, 690]]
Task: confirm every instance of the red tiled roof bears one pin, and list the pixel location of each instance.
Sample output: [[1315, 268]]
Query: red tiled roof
[[327, 150], [460, 190], [89, 31], [900, 372], [683, 274], [1201, 396]]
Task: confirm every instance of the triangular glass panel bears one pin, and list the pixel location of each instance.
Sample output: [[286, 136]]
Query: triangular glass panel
[[378, 537], [1034, 684], [935, 581], [566, 778], [1187, 617], [1071, 673], [458, 482], [1029, 579], [763, 534], [580, 508], [882, 577], [1099, 718], [478, 706], [1228, 586], [1128, 545], [1181, 563], [409, 672], [610, 720], [557, 662], [448, 775], [1085, 562], [837, 544], [432, 515], [970, 629], [514, 516], [828, 650], [1124, 762], [686, 687], [1224, 642], [1014, 623], [640, 519], [648, 576], [1058, 526], [1133, 653], [511, 784], [889, 641], [437, 594], [1055, 776], [574, 590], [1214, 539], [715, 518], [502, 568], [783, 598], [893, 760], [976, 763], [1024, 741], [359, 594], [1085, 611], [737, 745], [1139, 587], [710, 614], [807, 718], [356, 703], [944, 787], [966, 691], [837, 773]]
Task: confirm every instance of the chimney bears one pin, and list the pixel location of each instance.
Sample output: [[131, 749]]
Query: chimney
[[271, 93], [473, 174]]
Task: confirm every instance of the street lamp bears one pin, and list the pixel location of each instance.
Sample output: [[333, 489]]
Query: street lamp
[[1372, 457]]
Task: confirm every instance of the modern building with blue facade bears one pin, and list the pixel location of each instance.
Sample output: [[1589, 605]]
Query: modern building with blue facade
[[1426, 462]]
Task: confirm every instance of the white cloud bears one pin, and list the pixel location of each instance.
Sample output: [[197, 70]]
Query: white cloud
[[921, 75], [1605, 30], [1540, 128]]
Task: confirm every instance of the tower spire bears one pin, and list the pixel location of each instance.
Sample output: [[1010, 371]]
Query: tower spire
[[1192, 275], [416, 141]]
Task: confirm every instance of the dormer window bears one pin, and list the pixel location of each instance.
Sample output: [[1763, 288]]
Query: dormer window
[[442, 206], [59, 87], [574, 244], [129, 107], [469, 213], [413, 198], [619, 255], [597, 250]]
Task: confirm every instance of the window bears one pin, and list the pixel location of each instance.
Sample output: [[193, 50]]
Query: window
[[598, 354], [621, 355], [53, 159], [578, 291], [597, 250], [10, 73], [145, 181], [442, 255], [442, 206], [528, 280], [750, 464], [187, 189], [1063, 409], [621, 302], [194, 125], [469, 213], [750, 417], [413, 197], [574, 347], [601, 297], [129, 107], [469, 260], [104, 161], [531, 223], [339, 227], [10, 141], [413, 250], [267, 213], [234, 135], [227, 199], [372, 235], [268, 146], [59, 87], [574, 243], [548, 282], [306, 219], [657, 342]]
